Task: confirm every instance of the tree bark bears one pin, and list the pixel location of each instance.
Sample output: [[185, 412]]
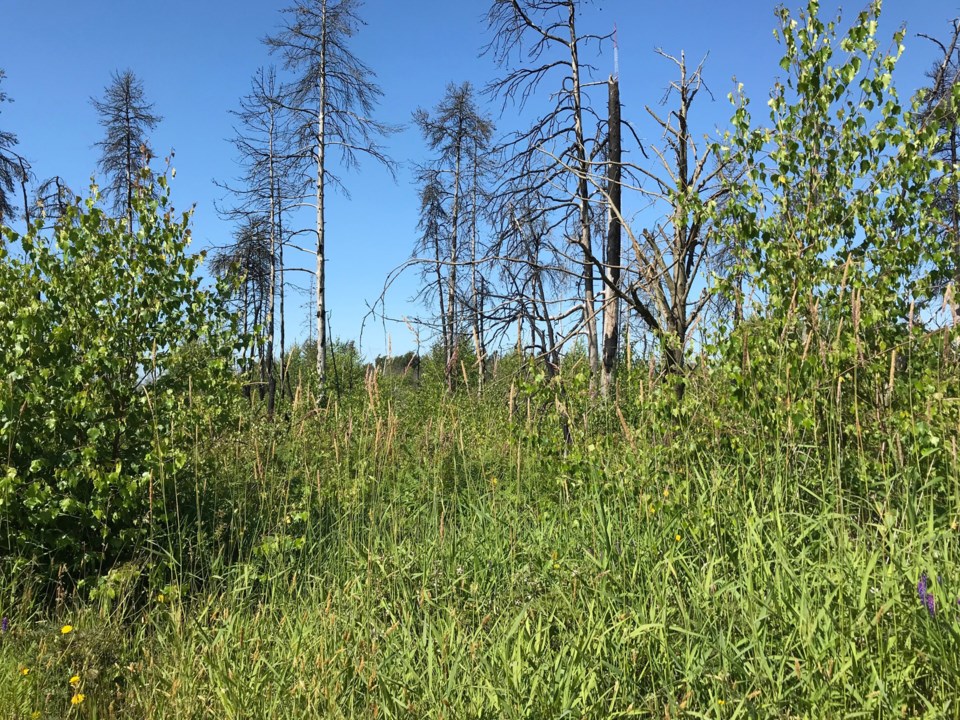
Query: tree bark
[[321, 264], [451, 369], [272, 284], [611, 301], [583, 203]]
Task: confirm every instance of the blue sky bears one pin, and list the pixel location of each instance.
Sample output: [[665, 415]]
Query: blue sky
[[196, 58]]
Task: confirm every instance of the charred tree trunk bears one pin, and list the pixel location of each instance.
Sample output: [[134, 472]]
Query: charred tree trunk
[[611, 304]]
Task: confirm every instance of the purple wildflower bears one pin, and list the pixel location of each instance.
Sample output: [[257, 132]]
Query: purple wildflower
[[926, 597], [4, 625]]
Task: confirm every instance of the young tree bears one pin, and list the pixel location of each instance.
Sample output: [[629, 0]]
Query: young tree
[[434, 222], [459, 133], [127, 118], [674, 252], [833, 216], [106, 376], [532, 266], [332, 97], [248, 261]]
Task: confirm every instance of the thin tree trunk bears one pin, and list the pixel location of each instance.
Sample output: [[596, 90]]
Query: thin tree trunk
[[24, 176], [438, 265], [272, 289], [244, 361], [321, 266], [478, 342], [955, 206], [611, 304], [675, 339], [452, 350], [283, 323], [130, 168], [258, 322], [583, 201]]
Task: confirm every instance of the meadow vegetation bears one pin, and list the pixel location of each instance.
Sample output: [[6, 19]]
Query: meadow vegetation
[[768, 529], [403, 553]]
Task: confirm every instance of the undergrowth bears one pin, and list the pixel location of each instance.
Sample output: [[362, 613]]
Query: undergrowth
[[390, 557]]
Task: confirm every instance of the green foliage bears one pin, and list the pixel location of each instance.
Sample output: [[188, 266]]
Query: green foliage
[[837, 192], [421, 553], [111, 353], [783, 543], [345, 369], [833, 221]]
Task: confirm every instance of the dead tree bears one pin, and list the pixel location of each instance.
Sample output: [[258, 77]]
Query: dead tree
[[265, 190], [126, 117], [333, 97], [561, 135], [666, 288], [612, 254], [940, 108], [458, 133]]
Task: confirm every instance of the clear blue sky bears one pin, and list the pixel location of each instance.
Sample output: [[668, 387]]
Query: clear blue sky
[[196, 58]]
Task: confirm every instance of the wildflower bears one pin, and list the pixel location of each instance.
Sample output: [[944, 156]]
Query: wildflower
[[5, 625], [75, 680], [77, 699], [25, 671], [721, 702], [66, 629], [160, 598], [666, 492], [677, 538], [926, 597], [35, 715]]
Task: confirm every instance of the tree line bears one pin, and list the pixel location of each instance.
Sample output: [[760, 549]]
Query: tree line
[[533, 236]]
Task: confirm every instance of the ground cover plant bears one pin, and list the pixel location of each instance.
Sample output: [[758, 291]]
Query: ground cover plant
[[766, 525], [389, 561]]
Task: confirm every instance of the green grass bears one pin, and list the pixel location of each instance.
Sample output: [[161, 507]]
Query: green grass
[[399, 557]]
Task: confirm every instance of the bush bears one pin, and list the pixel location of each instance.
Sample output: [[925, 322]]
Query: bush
[[111, 352]]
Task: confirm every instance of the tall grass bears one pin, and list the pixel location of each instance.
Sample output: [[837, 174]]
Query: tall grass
[[403, 554]]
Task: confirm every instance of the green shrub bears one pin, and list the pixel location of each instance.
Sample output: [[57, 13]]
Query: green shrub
[[111, 350]]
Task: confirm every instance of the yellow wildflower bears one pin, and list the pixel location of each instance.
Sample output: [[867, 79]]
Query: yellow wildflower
[[77, 699], [75, 680], [66, 629], [25, 671], [677, 538]]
